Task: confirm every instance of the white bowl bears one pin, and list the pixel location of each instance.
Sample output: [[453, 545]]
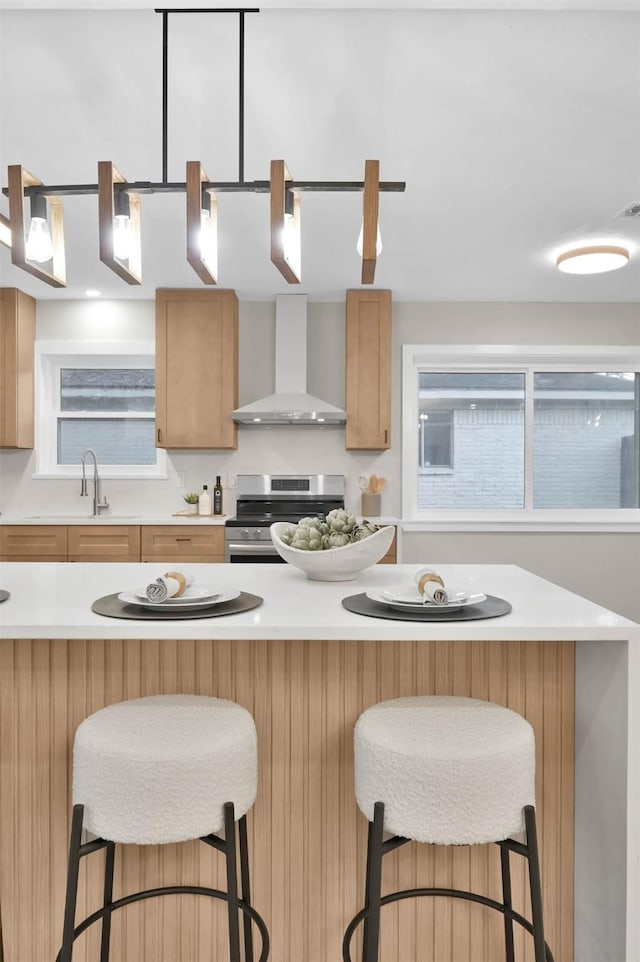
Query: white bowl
[[335, 564]]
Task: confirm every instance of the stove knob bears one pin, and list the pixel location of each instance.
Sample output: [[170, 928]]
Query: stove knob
[[244, 534], [257, 534]]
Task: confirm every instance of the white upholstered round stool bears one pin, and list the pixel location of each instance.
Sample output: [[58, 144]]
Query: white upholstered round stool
[[447, 771], [157, 770]]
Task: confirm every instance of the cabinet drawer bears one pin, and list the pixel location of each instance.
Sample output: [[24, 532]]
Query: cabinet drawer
[[104, 543], [182, 543], [38, 542]]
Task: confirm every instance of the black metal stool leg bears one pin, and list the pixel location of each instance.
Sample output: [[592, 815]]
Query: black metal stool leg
[[72, 884], [232, 882], [373, 886], [367, 894], [539, 948], [506, 899], [245, 888], [108, 899]]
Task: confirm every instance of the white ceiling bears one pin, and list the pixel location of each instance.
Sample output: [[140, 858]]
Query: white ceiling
[[516, 129]]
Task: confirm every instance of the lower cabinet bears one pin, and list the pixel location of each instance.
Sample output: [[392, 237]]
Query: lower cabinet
[[33, 542], [183, 543], [108, 543], [167, 544]]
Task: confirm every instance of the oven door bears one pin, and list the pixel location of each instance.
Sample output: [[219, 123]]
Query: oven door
[[248, 552]]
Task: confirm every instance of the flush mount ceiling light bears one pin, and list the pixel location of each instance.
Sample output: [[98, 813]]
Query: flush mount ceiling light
[[592, 260], [119, 205]]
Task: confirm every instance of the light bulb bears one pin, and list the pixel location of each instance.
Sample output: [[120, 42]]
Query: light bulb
[[208, 240], [39, 247], [360, 244], [121, 238], [289, 237]]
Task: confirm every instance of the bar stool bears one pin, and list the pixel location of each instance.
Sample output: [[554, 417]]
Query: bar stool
[[446, 771], [157, 770]]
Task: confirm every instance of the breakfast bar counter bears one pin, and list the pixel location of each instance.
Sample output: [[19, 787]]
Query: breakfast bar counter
[[306, 668]]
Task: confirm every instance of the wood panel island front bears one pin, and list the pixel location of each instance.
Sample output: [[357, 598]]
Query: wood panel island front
[[306, 668]]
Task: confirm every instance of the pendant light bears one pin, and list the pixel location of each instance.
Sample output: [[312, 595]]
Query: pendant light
[[360, 241], [119, 224], [119, 204], [5, 231], [285, 223], [371, 245], [202, 224], [45, 244], [39, 247]]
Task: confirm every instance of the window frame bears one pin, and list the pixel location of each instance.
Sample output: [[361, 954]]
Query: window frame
[[501, 358], [50, 358]]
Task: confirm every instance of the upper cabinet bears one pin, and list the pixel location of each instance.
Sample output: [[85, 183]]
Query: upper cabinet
[[17, 339], [196, 368], [368, 370]]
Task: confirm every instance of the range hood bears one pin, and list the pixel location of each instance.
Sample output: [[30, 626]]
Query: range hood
[[290, 404]]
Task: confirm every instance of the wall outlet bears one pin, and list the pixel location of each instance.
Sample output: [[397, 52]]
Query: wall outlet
[[181, 479], [232, 480]]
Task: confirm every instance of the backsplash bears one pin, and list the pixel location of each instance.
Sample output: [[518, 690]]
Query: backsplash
[[267, 450]]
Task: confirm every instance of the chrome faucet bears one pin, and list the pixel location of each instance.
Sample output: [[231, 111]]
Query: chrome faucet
[[99, 503]]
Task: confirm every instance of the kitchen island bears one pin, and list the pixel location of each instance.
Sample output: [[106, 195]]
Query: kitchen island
[[305, 667]]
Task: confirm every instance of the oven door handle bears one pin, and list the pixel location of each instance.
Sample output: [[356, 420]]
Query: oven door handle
[[244, 548]]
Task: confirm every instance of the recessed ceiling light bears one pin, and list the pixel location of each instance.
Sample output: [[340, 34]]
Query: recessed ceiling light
[[93, 293], [592, 260]]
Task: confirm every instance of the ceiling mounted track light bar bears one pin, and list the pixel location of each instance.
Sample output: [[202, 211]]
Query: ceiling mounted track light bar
[[119, 203]]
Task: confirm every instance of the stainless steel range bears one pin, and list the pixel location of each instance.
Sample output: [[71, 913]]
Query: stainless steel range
[[265, 498]]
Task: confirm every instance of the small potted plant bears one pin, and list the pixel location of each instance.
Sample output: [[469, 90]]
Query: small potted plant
[[192, 502]]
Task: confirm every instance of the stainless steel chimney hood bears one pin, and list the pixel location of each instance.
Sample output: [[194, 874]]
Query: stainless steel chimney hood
[[291, 404]]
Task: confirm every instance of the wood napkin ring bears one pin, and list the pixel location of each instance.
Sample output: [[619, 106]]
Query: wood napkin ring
[[180, 578], [429, 577]]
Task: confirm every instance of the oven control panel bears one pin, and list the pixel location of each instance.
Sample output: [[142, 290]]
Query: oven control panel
[[248, 534]]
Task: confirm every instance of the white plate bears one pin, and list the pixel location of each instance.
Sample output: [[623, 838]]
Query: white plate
[[190, 593], [136, 597], [406, 599]]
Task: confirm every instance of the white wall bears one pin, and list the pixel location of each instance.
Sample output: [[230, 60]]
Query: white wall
[[260, 450], [604, 567]]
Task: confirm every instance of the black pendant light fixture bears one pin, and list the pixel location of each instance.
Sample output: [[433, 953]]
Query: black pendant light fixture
[[40, 249]]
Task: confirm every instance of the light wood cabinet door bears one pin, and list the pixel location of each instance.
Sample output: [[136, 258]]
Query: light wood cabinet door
[[33, 542], [17, 339], [105, 543], [390, 557], [183, 543], [368, 370], [196, 368]]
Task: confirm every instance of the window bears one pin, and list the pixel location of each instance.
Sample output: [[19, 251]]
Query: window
[[435, 444], [529, 437], [89, 398]]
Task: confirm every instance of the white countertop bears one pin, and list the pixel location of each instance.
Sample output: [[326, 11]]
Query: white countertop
[[139, 519], [54, 601], [114, 519]]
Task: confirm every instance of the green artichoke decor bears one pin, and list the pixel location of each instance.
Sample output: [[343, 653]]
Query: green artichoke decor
[[339, 529]]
